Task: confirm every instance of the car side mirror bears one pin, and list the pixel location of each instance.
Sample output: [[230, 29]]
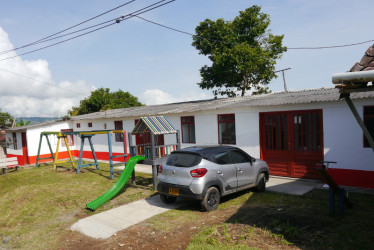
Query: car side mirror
[[252, 160]]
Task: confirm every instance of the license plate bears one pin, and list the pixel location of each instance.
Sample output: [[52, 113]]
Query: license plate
[[174, 191]]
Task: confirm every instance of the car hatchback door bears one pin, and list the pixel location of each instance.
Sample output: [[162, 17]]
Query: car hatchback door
[[226, 171], [245, 170], [177, 168]]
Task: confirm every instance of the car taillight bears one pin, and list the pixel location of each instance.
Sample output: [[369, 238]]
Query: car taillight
[[197, 173], [160, 168]]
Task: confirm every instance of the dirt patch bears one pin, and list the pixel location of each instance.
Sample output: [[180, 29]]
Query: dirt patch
[[265, 221], [146, 235]]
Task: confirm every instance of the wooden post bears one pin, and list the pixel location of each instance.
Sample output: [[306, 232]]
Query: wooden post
[[153, 157], [132, 153], [57, 149], [40, 144], [178, 140]]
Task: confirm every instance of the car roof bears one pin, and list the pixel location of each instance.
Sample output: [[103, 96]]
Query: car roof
[[205, 151]]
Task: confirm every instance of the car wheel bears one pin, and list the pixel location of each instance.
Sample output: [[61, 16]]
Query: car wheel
[[261, 185], [211, 199], [167, 199]]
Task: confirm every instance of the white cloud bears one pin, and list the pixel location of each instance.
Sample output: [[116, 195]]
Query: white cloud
[[22, 96], [156, 96]]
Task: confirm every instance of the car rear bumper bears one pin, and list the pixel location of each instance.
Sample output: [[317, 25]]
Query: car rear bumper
[[184, 191]]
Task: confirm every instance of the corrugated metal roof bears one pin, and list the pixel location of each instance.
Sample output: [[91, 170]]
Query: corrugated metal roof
[[34, 125], [159, 125], [273, 99]]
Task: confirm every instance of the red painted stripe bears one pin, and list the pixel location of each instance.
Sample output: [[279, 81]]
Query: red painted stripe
[[352, 178]]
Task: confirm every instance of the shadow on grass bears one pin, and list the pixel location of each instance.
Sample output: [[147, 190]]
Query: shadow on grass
[[304, 221]]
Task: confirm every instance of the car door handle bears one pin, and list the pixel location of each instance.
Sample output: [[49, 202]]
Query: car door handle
[[219, 172], [240, 170]]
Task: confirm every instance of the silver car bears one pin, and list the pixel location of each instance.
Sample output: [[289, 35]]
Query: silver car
[[206, 173]]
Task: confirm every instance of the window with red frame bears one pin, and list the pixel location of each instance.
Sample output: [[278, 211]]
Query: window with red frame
[[369, 123], [226, 129], [118, 125], [188, 129], [78, 125]]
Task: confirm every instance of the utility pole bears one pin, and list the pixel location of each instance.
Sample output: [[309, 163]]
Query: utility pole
[[284, 78]]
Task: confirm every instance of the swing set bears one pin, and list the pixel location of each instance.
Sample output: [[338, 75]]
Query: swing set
[[83, 135]]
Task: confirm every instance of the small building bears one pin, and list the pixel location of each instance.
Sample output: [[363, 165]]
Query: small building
[[292, 131]]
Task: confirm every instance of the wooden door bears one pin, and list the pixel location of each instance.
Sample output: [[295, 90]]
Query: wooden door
[[291, 142], [25, 156]]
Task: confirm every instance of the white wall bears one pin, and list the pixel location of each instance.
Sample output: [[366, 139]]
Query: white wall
[[33, 137], [343, 138], [100, 141]]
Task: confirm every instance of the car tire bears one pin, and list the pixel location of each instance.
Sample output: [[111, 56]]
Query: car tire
[[261, 185], [167, 199], [211, 199]]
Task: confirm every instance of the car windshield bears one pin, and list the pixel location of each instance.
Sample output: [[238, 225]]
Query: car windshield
[[183, 160]]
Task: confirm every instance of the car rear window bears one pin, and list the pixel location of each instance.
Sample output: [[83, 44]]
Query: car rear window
[[183, 160]]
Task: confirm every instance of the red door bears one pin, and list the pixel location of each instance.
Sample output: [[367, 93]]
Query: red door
[[291, 142], [25, 156]]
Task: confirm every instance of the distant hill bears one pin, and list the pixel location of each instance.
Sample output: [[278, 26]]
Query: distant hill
[[36, 120]]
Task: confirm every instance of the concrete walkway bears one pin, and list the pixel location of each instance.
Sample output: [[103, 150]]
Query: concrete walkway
[[291, 186], [105, 224]]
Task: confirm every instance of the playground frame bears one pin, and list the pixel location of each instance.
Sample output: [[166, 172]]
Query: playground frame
[[83, 135]]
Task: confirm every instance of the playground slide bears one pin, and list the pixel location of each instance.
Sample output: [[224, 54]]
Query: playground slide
[[120, 183]]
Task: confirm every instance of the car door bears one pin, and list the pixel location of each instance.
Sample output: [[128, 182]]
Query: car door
[[226, 171], [245, 170]]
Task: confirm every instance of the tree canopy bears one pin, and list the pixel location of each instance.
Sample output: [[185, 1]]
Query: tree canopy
[[103, 99], [6, 119], [243, 53], [21, 123]]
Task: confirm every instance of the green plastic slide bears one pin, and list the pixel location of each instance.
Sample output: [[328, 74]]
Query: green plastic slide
[[120, 183]]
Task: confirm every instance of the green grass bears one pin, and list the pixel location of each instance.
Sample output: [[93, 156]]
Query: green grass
[[38, 205], [301, 221], [251, 220]]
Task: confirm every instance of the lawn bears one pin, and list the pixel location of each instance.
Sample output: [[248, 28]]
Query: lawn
[[39, 205]]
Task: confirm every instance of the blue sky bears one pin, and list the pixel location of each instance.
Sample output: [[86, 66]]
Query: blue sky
[[155, 64]]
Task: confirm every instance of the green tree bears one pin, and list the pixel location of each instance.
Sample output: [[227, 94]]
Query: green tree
[[243, 52], [21, 123], [6, 119], [103, 99]]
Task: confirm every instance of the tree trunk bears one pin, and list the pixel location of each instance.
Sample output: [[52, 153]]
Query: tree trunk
[[245, 84]]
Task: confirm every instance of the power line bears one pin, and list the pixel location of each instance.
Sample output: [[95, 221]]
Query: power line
[[53, 37], [59, 32], [47, 83], [116, 20], [215, 40], [333, 46], [54, 44], [99, 24]]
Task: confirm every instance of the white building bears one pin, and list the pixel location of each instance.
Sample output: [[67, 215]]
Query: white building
[[292, 131]]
